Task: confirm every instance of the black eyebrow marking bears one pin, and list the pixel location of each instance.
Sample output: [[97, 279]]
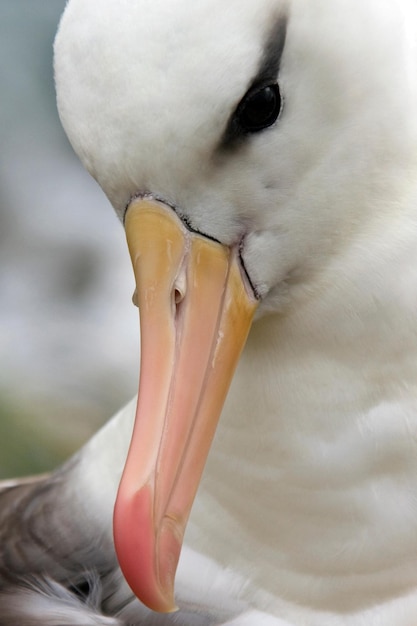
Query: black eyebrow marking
[[273, 50], [267, 74]]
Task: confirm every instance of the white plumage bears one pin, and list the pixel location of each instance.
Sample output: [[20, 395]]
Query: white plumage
[[307, 511]]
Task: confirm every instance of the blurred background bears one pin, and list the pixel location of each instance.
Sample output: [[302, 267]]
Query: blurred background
[[68, 332]]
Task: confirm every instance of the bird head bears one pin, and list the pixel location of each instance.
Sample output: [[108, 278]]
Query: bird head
[[242, 145]]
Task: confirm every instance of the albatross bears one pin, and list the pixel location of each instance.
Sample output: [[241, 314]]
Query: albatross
[[262, 157]]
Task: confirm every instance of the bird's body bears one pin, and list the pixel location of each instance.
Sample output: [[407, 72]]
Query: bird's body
[[307, 511]]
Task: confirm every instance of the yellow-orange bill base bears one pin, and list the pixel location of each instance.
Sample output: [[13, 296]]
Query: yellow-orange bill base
[[195, 313]]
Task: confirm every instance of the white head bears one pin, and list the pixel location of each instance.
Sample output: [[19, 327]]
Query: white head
[[280, 129], [147, 89]]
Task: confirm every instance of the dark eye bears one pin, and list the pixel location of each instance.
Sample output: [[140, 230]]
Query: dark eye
[[259, 108]]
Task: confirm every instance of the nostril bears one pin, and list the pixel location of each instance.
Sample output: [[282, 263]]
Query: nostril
[[178, 295], [179, 288], [177, 299]]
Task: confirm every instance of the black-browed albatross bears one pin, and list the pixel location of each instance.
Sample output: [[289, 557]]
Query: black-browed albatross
[[263, 159]]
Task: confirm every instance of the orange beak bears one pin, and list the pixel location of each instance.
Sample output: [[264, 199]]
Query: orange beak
[[195, 312]]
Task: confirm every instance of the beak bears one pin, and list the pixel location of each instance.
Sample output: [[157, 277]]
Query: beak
[[195, 313]]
